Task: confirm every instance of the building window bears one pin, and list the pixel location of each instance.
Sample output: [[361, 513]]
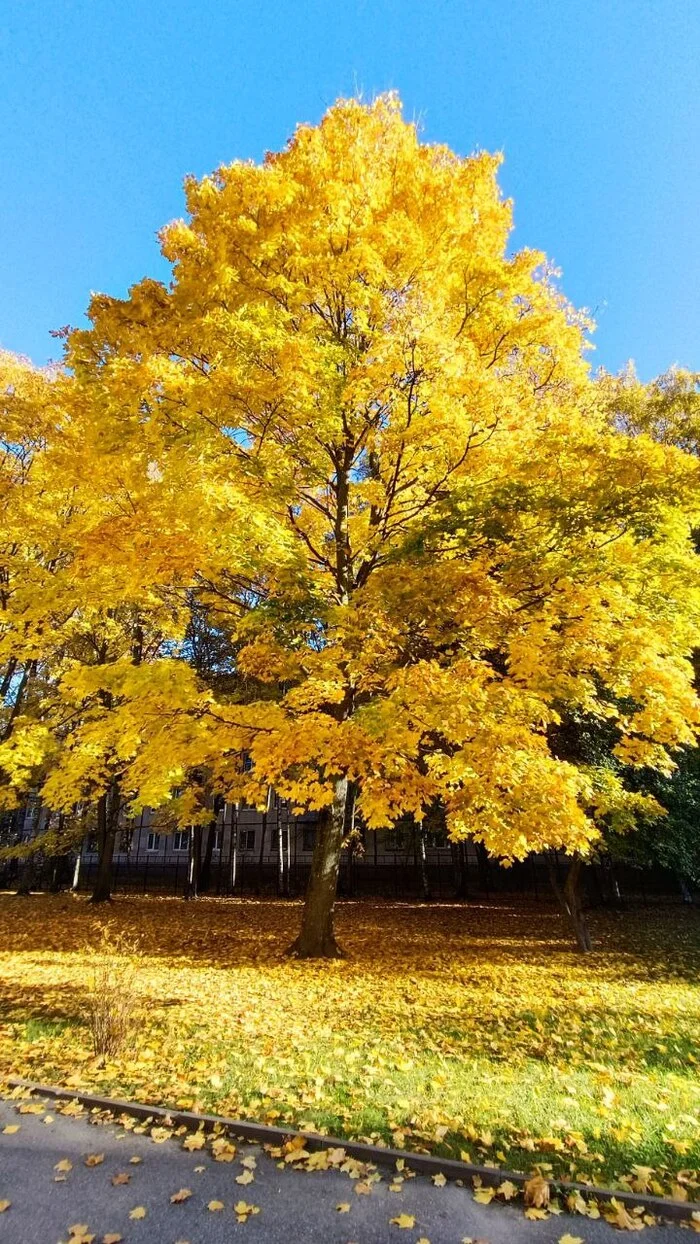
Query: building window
[[308, 837], [153, 842], [246, 839], [181, 840]]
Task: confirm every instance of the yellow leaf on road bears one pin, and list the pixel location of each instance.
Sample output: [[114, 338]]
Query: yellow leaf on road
[[183, 1194], [94, 1159], [215, 1205], [246, 1177], [138, 1211], [403, 1220], [344, 1207]]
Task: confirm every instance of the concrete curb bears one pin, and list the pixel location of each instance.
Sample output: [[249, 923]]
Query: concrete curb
[[423, 1163]]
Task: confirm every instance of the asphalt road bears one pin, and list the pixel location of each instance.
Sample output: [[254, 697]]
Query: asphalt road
[[295, 1207]]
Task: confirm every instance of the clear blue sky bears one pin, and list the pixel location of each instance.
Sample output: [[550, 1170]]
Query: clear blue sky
[[104, 107]]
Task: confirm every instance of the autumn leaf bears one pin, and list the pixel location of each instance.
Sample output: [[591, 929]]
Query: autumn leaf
[[507, 1190], [135, 1160], [139, 1211], [246, 1177], [159, 1135], [536, 1192], [484, 1196], [112, 1237], [122, 1177], [534, 1213], [403, 1220], [10, 1129], [195, 1140], [4, 1205], [439, 1180], [214, 1206], [183, 1194], [343, 1207], [570, 1239], [94, 1159], [64, 1165]]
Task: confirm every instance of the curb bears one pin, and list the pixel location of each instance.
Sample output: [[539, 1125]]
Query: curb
[[423, 1163]]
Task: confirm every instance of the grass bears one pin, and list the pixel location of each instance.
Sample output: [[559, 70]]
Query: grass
[[461, 1029]]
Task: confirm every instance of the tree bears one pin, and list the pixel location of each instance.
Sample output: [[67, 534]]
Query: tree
[[366, 436]]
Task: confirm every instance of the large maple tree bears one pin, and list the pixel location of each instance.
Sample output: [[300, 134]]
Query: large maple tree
[[365, 436]]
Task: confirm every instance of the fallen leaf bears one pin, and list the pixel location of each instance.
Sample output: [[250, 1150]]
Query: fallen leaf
[[570, 1239], [439, 1180], [159, 1135], [138, 1211], [535, 1214], [363, 1188], [4, 1205], [94, 1159], [403, 1220], [344, 1207], [246, 1177], [507, 1190], [536, 1192], [65, 1164], [484, 1196], [136, 1160], [122, 1177], [112, 1237], [10, 1129], [215, 1205], [196, 1140], [183, 1194]]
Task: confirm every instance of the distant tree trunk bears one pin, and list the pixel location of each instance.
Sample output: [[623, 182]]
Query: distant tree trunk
[[53, 867], [204, 880], [459, 856], [194, 862], [422, 855], [263, 834], [686, 892], [282, 870], [568, 896], [316, 939], [235, 832], [108, 809]]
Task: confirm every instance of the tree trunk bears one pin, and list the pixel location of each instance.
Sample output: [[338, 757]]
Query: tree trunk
[[459, 857], [204, 879], [686, 892], [424, 878], [194, 862], [282, 871], [316, 939], [107, 825], [569, 898], [25, 877]]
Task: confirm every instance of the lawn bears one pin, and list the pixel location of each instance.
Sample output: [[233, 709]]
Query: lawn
[[464, 1029]]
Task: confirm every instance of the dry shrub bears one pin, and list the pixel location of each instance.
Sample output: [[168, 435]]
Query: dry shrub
[[113, 1002]]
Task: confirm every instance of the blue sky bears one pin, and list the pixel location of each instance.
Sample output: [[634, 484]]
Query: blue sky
[[104, 107]]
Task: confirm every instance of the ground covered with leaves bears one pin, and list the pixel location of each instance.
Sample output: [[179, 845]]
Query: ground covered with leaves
[[469, 1030]]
